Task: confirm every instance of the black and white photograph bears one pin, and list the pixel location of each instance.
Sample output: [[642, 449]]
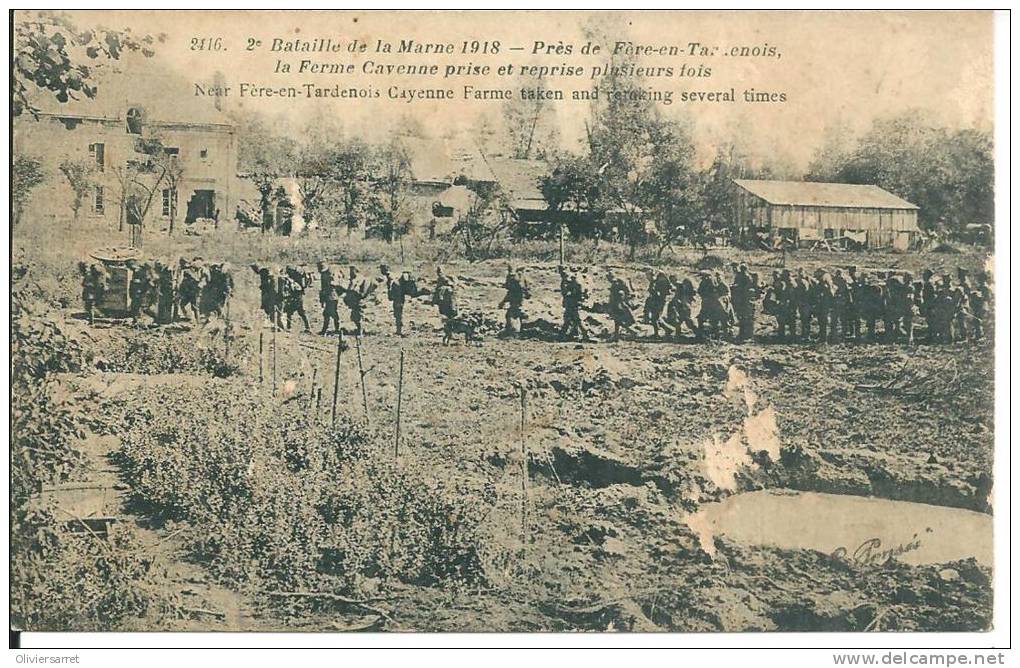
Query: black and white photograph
[[450, 321]]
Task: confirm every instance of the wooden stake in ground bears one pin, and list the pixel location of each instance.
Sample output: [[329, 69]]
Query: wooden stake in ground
[[318, 404], [311, 390], [261, 355], [363, 373], [524, 469], [400, 396], [561, 242], [336, 374], [274, 352]]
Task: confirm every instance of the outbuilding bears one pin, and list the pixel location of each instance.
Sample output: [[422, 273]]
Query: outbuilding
[[806, 212]]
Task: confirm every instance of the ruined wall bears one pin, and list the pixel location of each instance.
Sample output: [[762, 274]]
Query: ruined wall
[[207, 153]]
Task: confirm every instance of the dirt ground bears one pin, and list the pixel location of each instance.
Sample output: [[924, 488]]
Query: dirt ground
[[624, 442]]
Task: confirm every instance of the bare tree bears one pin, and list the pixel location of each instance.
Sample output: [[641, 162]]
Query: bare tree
[[79, 176], [173, 175], [125, 175], [149, 172], [487, 220]]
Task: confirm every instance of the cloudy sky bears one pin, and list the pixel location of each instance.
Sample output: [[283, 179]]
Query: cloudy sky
[[835, 68]]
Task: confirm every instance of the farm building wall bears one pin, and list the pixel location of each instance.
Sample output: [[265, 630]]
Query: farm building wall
[[207, 154], [883, 227]]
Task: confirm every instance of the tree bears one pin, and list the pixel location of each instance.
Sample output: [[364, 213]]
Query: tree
[[573, 185], [315, 181], [730, 163], [49, 52], [530, 124], [321, 140], [949, 174], [672, 189], [351, 169], [79, 176], [410, 125], [263, 158], [125, 174], [485, 222], [483, 133], [392, 215], [837, 146], [173, 175], [26, 174], [633, 147], [153, 169], [969, 178]]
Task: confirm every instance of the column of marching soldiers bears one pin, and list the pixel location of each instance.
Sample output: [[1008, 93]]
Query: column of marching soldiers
[[826, 306]]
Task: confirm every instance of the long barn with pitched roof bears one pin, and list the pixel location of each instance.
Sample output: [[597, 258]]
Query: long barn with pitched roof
[[803, 211]]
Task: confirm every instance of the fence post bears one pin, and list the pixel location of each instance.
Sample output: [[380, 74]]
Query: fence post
[[261, 356], [400, 396], [524, 469], [311, 390], [361, 372], [561, 243], [336, 374], [274, 351]]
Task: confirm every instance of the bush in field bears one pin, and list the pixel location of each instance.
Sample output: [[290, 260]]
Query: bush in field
[[165, 352], [283, 502], [709, 263], [43, 428], [43, 434], [60, 580], [71, 581]]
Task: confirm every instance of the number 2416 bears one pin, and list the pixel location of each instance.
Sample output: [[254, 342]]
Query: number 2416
[[207, 44]]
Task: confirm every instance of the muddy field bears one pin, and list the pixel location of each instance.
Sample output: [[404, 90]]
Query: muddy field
[[623, 443]]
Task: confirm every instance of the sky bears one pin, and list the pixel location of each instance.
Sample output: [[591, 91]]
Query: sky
[[834, 68]]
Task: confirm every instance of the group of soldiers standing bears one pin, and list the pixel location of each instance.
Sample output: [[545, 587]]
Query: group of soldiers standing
[[163, 290], [828, 306], [838, 304]]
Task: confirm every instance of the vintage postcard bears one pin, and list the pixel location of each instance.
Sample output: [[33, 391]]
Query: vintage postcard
[[457, 321]]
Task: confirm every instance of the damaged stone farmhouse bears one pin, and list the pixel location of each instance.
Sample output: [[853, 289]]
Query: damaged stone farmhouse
[[808, 212], [449, 173], [103, 133]]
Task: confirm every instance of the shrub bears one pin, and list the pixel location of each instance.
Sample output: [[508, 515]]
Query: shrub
[[43, 435], [166, 352], [60, 580], [709, 263], [285, 502], [69, 581], [43, 428]]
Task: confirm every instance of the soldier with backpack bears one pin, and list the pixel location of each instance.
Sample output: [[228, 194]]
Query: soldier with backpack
[[193, 279], [516, 293], [292, 286], [574, 296], [329, 298], [355, 294], [397, 291]]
